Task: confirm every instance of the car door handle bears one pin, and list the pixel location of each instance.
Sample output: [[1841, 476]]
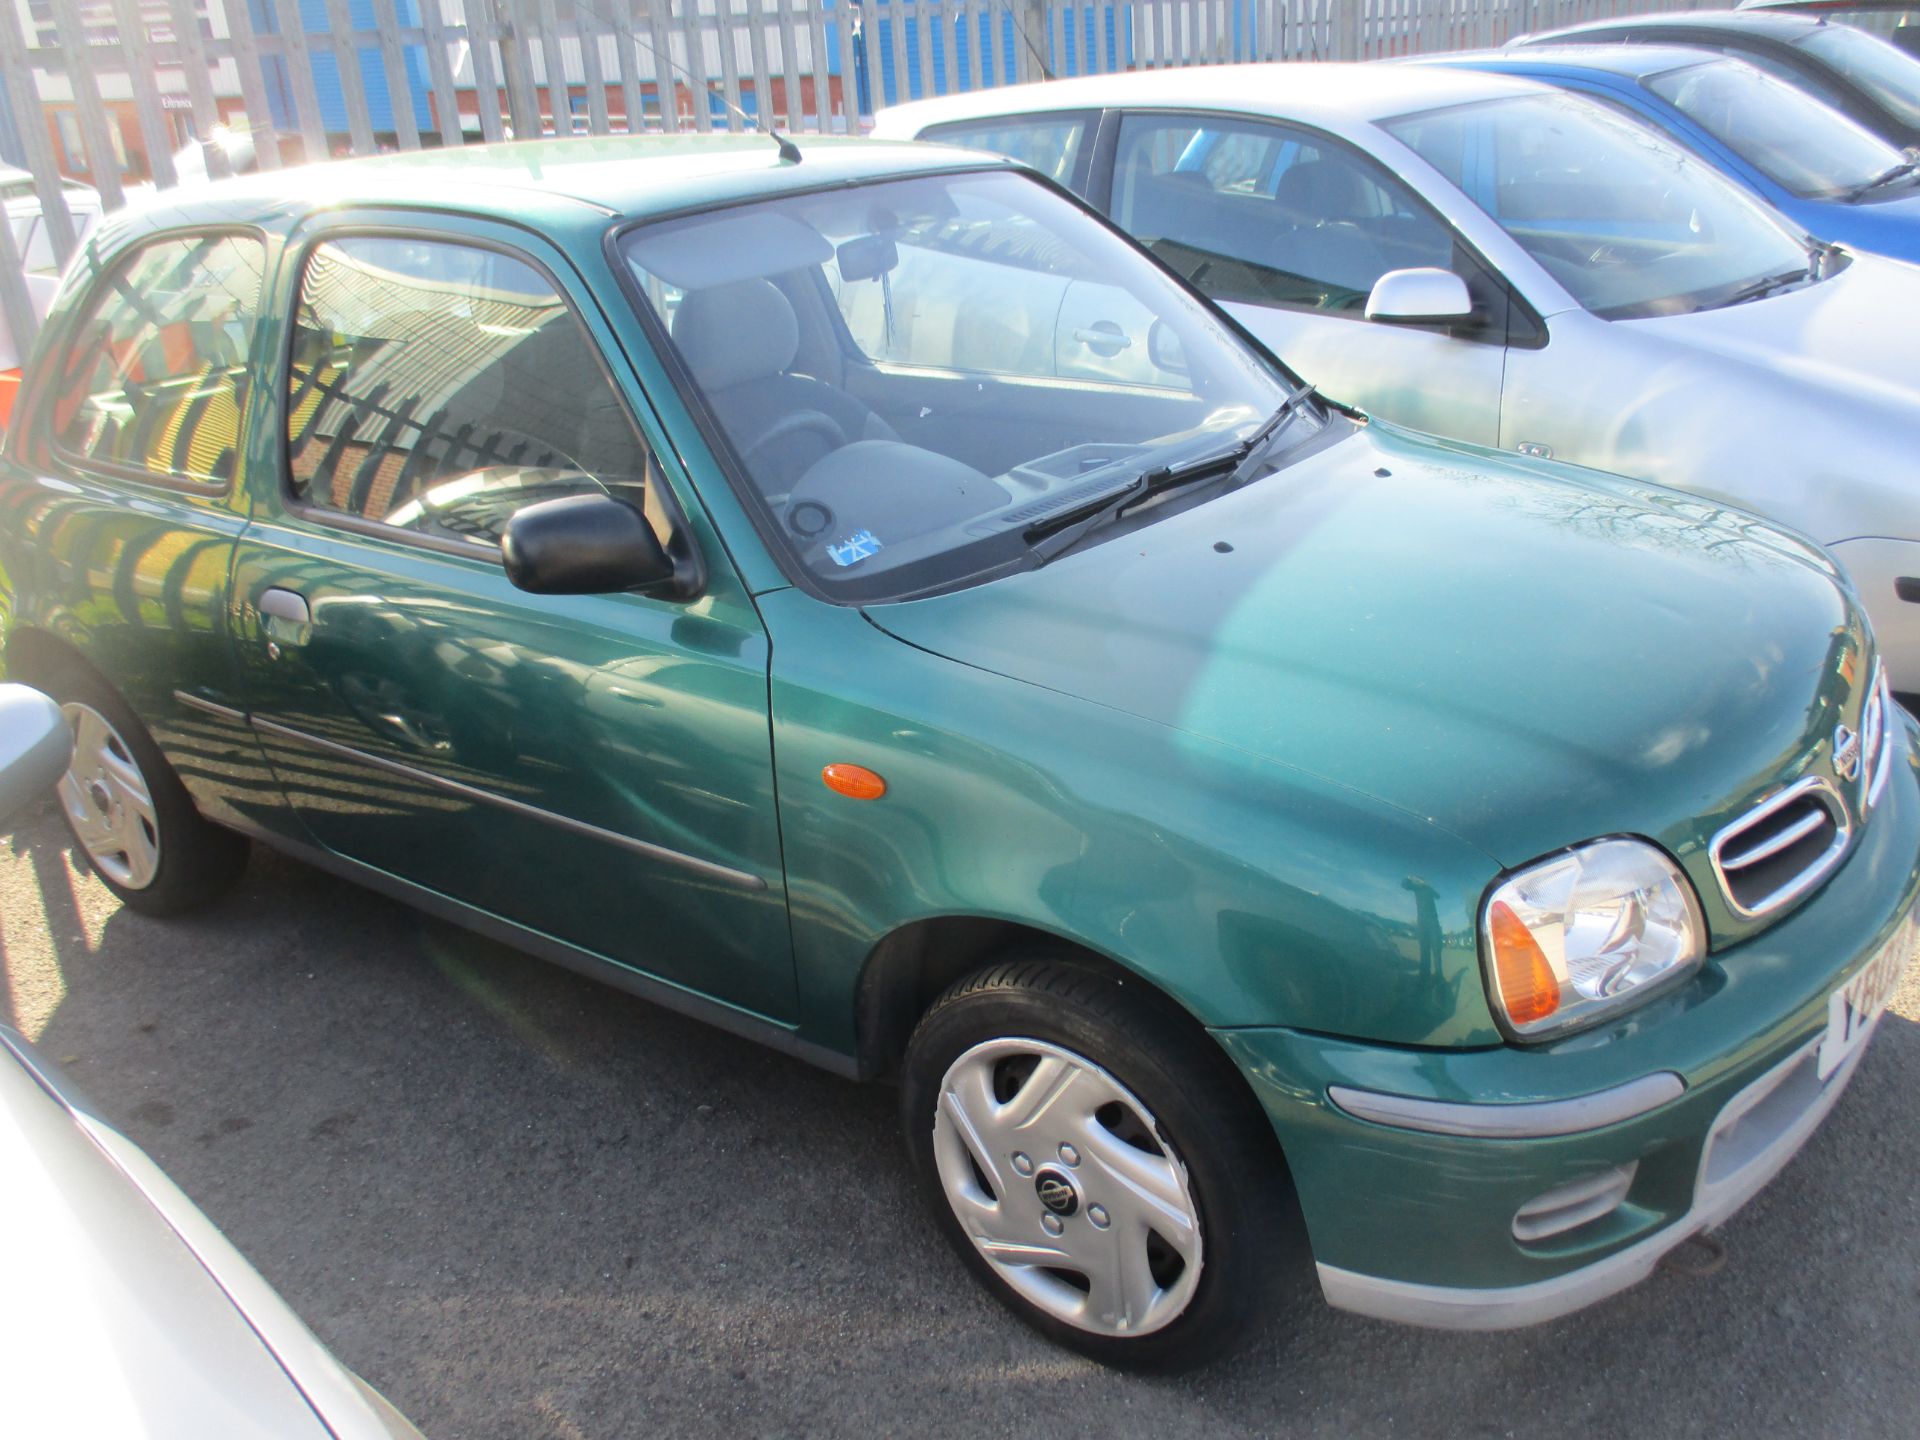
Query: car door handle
[[278, 604], [1104, 338], [285, 619]]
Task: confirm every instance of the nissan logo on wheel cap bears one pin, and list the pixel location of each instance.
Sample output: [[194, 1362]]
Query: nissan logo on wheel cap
[[1056, 1192]]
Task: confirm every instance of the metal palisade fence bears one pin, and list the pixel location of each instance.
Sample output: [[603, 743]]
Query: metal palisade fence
[[109, 96]]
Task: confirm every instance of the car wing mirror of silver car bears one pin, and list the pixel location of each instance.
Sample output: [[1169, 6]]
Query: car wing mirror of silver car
[[1426, 295]]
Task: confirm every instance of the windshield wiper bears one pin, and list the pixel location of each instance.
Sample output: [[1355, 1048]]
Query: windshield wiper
[[1883, 179], [1765, 285], [1059, 533]]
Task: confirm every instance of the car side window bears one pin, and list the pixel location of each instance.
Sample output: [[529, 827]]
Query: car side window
[[1262, 214], [1050, 144], [153, 377], [437, 387]]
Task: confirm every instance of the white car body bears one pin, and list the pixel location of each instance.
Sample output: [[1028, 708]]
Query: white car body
[[1803, 406], [128, 1313], [34, 244]]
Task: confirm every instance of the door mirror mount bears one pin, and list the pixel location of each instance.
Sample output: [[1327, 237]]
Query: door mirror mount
[[591, 545], [35, 748], [1423, 296]]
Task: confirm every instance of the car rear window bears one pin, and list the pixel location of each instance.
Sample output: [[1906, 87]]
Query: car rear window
[[153, 376]]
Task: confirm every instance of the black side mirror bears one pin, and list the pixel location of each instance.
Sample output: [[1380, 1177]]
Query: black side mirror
[[584, 545], [35, 747]]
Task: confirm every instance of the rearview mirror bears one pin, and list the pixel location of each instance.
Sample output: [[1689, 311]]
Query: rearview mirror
[[867, 257], [583, 545], [1423, 296], [35, 746]]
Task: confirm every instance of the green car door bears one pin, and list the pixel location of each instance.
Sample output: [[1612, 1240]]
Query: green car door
[[594, 769]]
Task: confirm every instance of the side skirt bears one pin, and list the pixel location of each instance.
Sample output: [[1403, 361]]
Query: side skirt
[[734, 1021]]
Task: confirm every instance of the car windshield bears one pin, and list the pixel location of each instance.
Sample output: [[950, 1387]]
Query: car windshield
[[914, 376], [1782, 131], [1629, 222], [1884, 71]]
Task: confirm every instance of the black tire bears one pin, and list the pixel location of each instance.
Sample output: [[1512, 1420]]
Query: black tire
[[1248, 1221], [199, 861]]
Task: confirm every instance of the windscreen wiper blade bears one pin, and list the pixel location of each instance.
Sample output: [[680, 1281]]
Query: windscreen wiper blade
[[1056, 534], [1884, 179], [1765, 285], [1255, 447]]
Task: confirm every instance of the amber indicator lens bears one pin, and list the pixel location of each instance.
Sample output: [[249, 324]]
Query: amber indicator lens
[[1527, 985], [854, 781]]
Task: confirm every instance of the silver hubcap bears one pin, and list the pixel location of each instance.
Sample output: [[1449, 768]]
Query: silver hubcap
[[108, 803], [1061, 1179]]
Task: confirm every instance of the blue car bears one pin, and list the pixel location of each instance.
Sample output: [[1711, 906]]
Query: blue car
[[1830, 176], [1862, 76]]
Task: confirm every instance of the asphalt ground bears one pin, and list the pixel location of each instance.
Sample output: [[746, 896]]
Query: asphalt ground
[[523, 1205]]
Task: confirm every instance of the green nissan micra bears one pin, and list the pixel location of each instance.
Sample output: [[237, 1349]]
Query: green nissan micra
[[865, 602]]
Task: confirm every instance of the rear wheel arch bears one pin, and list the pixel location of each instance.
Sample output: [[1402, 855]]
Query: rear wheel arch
[[36, 656]]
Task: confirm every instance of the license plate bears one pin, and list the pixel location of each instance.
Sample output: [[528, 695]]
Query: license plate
[[1854, 1007]]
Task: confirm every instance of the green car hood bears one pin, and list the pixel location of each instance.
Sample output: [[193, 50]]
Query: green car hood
[[1526, 655]]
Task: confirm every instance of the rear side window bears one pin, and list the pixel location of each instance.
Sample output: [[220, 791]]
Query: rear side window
[[437, 388], [1050, 144], [154, 374]]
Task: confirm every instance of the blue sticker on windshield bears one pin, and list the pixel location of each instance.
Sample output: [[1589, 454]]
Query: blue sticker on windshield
[[854, 548]]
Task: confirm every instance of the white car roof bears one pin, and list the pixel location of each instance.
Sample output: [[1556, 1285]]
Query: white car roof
[[1319, 92]]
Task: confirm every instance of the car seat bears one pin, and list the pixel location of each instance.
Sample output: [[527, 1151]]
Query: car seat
[[740, 341], [1325, 203]]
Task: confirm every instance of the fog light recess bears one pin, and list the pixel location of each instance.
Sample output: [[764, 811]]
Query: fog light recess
[[1567, 1207]]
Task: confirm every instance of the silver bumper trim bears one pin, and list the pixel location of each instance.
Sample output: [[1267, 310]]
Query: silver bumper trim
[[1530, 1120], [1510, 1307]]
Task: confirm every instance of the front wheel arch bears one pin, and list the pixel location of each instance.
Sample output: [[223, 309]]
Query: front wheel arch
[[913, 965]]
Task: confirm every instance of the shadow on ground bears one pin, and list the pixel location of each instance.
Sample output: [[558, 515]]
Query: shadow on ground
[[524, 1205]]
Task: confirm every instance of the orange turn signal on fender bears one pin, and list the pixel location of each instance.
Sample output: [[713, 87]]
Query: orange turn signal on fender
[[1528, 987], [854, 781]]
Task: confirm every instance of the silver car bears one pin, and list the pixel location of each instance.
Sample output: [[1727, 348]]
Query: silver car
[[127, 1313], [1498, 262]]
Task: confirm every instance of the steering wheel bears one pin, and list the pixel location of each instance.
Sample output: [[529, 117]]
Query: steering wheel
[[799, 423]]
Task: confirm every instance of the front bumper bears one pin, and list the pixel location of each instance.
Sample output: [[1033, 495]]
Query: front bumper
[[1419, 1225]]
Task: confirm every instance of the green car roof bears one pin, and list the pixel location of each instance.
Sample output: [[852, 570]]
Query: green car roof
[[557, 183]]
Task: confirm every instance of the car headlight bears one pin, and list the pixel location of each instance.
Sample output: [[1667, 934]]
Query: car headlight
[[1874, 716], [1577, 937]]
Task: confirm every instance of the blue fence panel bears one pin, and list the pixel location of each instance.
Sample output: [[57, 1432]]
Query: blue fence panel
[[1089, 42], [326, 69], [872, 69]]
